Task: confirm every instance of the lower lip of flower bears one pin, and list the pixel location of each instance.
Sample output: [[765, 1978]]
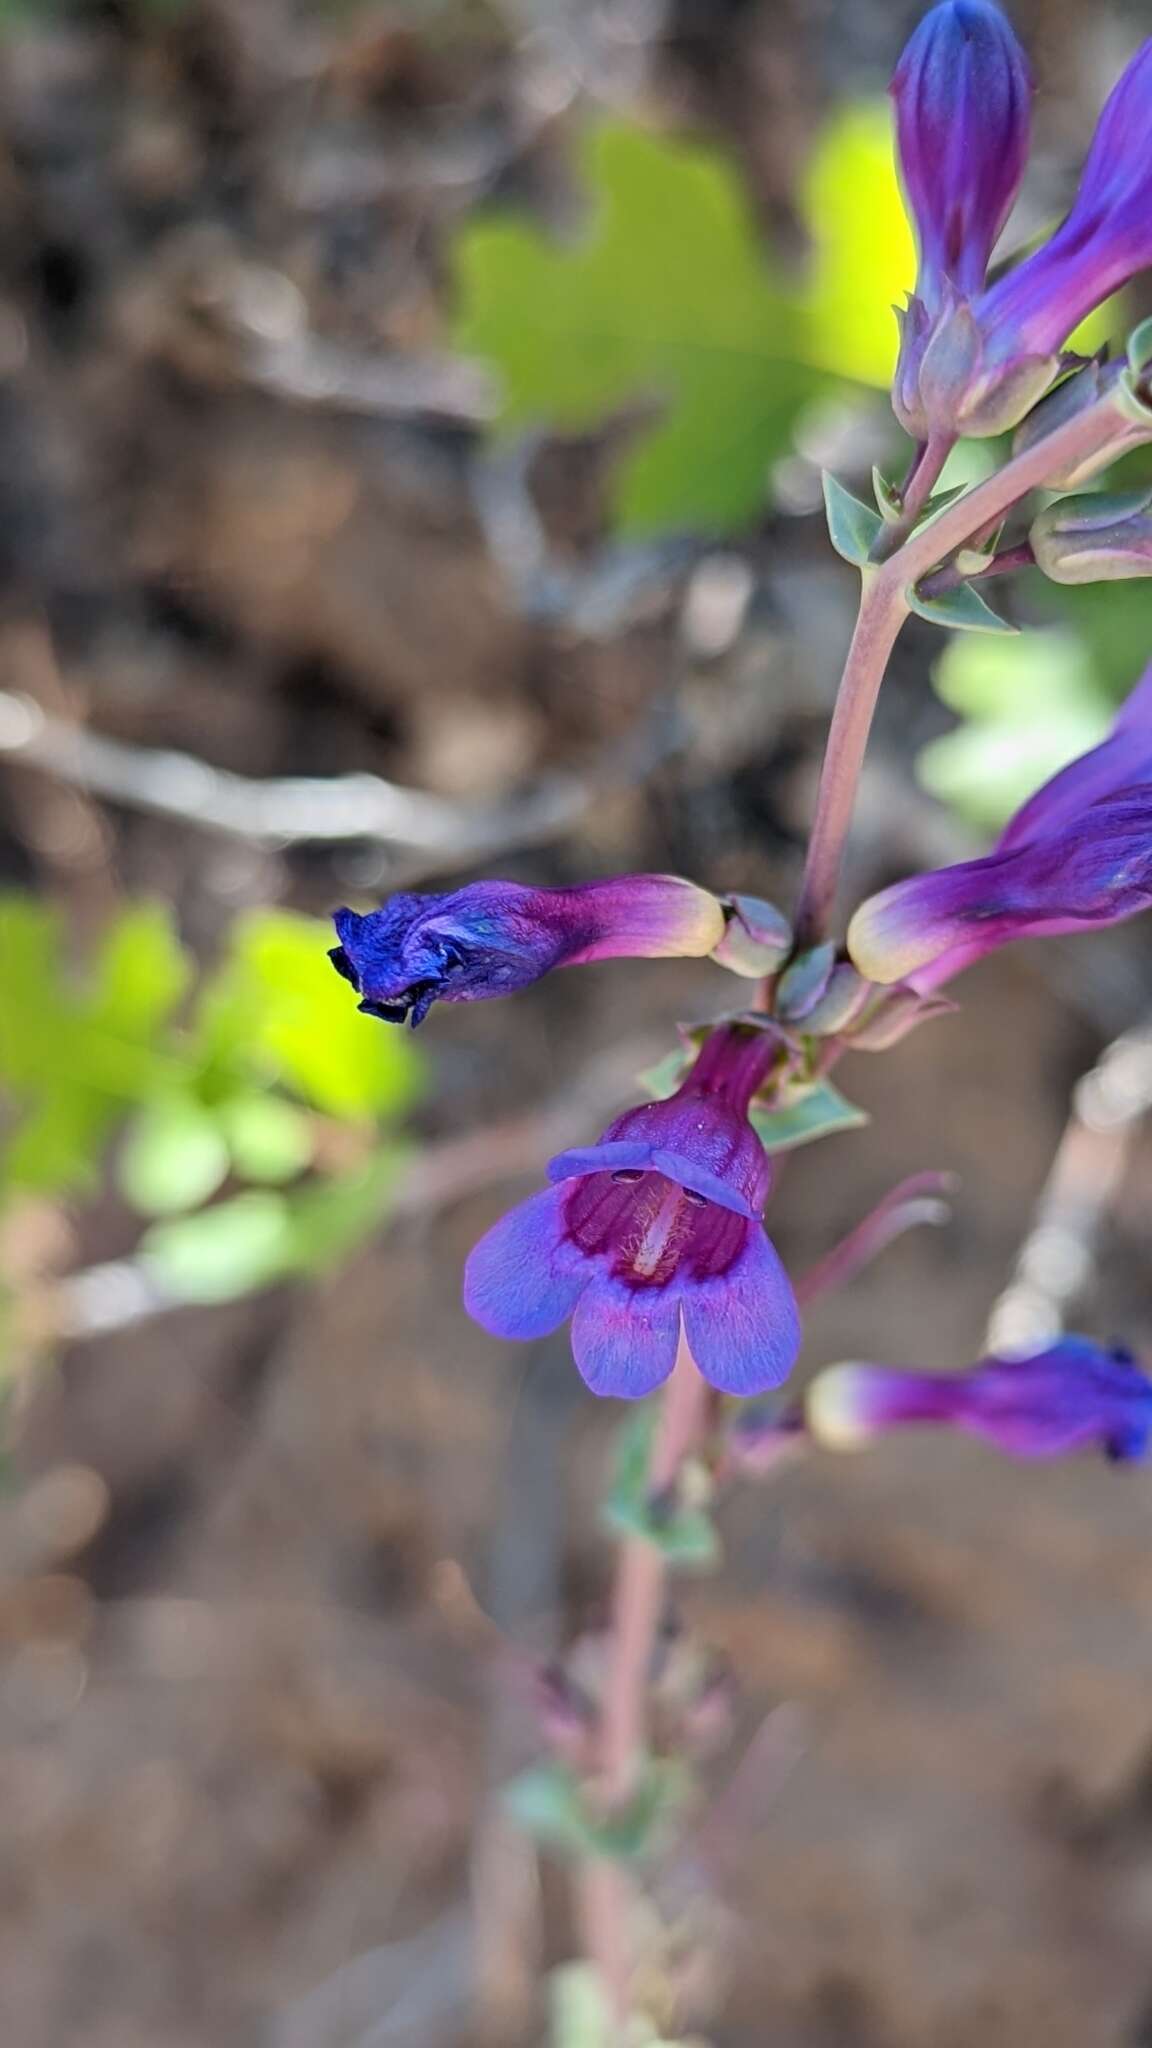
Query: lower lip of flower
[[648, 1227]]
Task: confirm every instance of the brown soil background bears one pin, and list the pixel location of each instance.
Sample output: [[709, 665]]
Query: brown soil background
[[256, 1559]]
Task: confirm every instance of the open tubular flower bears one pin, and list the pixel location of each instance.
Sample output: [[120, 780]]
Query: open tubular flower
[[492, 938], [1075, 1396], [658, 1223], [1078, 854], [976, 357]]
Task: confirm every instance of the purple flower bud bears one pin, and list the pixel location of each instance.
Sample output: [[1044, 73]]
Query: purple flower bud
[[1102, 538], [1078, 854], [1075, 1396], [1105, 240], [493, 938], [962, 91], [657, 1224]]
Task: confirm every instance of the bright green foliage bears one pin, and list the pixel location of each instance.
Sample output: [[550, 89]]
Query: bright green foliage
[[1028, 705], [278, 1011], [77, 1049], [667, 292], [200, 1091], [663, 296]]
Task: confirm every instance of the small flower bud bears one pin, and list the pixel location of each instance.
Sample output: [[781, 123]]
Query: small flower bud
[[757, 937], [1101, 538]]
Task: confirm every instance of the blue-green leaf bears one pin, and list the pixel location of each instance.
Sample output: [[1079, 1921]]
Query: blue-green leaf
[[820, 1112], [852, 526], [963, 609]]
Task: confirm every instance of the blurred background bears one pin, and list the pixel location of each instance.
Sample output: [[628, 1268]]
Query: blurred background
[[411, 420]]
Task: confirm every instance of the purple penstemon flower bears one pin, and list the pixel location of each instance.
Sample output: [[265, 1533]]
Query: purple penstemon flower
[[656, 1225], [1077, 855], [976, 357], [1075, 1396], [492, 938]]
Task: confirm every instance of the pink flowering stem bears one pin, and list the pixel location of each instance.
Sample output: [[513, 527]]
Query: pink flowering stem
[[883, 609], [922, 1198], [605, 1888]]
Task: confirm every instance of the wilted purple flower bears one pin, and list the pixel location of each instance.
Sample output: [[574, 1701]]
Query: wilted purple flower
[[1078, 854], [1075, 1396], [975, 357], [658, 1222], [492, 938]]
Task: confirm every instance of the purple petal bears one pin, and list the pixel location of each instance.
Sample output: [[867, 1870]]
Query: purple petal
[[624, 1338], [619, 1155], [1096, 871], [524, 1278], [1120, 761], [962, 91], [638, 917], [1105, 240], [743, 1327]]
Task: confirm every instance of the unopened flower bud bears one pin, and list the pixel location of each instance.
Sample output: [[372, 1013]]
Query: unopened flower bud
[[1094, 381], [1100, 538]]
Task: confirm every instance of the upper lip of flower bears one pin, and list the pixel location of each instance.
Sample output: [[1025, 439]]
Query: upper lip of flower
[[406, 998]]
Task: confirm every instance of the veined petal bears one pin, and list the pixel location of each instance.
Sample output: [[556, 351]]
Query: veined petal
[[624, 1338], [743, 1326], [524, 1278], [641, 917], [621, 1155], [1105, 240], [1096, 871], [962, 92]]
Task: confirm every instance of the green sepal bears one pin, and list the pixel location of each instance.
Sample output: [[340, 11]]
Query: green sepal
[[852, 527], [678, 1524], [663, 1079], [820, 1111], [549, 1802], [886, 495], [804, 982], [963, 610]]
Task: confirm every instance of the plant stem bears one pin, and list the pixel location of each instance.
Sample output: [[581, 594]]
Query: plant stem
[[883, 608], [605, 1888]]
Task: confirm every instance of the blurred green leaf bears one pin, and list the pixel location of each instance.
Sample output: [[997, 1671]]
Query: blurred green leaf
[[276, 1010], [174, 1157], [268, 1138], [1028, 705], [76, 1048], [223, 1252], [664, 294], [258, 1237], [863, 257]]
